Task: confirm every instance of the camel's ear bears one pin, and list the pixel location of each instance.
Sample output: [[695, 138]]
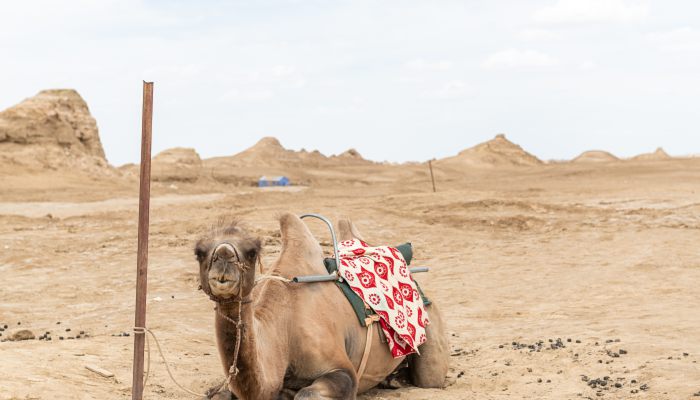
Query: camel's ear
[[347, 230]]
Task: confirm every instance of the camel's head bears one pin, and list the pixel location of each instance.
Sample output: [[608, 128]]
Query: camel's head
[[227, 257]]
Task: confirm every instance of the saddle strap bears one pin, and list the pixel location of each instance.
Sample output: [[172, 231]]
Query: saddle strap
[[369, 321]]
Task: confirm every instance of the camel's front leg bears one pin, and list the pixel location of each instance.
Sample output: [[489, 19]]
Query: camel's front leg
[[339, 384]]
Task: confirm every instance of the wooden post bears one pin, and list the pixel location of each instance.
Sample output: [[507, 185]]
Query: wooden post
[[432, 177], [142, 252]]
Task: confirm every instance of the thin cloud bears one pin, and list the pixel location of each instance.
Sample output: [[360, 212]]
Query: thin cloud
[[517, 59], [238, 95], [535, 34], [450, 90], [593, 11], [423, 65], [679, 39], [588, 65]]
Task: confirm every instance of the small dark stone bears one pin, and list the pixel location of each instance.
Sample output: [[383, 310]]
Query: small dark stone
[[578, 341], [67, 329], [58, 323], [644, 387], [600, 361], [19, 323], [500, 347], [4, 326], [623, 351], [568, 340], [539, 380], [584, 378], [633, 381], [618, 385], [549, 381], [685, 354], [60, 338]]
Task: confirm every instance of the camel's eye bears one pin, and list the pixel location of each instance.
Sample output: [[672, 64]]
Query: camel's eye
[[251, 254]]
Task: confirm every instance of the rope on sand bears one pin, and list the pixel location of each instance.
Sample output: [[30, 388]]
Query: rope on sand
[[142, 330]]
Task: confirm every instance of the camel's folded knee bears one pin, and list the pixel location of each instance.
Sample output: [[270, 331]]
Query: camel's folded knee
[[333, 385]]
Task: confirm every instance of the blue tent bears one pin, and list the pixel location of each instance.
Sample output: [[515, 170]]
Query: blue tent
[[265, 181]]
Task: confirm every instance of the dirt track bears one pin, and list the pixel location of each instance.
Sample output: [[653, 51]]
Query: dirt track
[[604, 255]]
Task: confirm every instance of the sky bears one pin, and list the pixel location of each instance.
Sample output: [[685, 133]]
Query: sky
[[406, 80]]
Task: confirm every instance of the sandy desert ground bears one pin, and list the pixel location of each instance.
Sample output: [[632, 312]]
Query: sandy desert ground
[[553, 278]]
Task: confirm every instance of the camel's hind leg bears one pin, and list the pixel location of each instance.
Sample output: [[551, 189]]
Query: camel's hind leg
[[430, 368], [337, 385]]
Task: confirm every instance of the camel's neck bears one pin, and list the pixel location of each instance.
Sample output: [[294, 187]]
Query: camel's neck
[[263, 348]]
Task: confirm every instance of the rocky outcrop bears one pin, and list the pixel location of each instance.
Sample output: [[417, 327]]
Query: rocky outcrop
[[59, 118], [177, 164]]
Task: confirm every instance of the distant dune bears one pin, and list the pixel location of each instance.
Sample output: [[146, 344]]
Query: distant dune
[[268, 151], [595, 156], [497, 152], [659, 154]]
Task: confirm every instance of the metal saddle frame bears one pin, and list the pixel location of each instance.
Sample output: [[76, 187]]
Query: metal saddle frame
[[334, 276]]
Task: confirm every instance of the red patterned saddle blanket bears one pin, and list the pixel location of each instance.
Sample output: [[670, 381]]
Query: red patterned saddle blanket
[[380, 276]]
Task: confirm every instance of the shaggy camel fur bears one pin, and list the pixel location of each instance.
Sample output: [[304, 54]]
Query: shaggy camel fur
[[297, 340]]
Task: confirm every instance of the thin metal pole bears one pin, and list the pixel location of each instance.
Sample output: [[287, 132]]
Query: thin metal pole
[[142, 255], [432, 178]]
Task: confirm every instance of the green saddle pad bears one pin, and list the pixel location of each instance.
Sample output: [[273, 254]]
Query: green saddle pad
[[358, 305]]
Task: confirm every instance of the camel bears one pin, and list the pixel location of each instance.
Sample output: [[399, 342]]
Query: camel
[[284, 340]]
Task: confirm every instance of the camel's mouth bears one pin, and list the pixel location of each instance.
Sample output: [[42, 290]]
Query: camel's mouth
[[223, 287]]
